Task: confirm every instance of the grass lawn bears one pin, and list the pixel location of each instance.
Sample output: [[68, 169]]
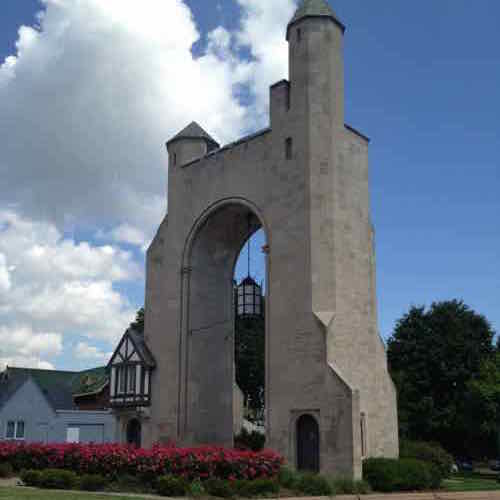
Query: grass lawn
[[471, 482], [7, 493]]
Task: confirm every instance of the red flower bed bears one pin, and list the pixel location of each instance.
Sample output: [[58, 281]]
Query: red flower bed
[[114, 460]]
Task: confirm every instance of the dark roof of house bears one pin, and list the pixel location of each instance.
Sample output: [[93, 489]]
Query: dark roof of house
[[142, 348], [139, 342], [59, 387], [194, 131], [314, 8]]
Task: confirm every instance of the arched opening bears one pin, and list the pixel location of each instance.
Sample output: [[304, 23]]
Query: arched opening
[[207, 401], [307, 443], [134, 432], [250, 300]]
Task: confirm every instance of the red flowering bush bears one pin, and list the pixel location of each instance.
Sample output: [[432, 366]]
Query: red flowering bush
[[113, 460]]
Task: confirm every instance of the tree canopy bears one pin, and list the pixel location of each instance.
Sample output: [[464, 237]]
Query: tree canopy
[[138, 324], [250, 360], [446, 369]]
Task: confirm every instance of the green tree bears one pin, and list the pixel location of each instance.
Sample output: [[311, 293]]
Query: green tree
[[443, 363], [138, 324], [249, 359]]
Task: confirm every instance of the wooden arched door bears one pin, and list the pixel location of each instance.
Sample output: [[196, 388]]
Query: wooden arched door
[[134, 432], [307, 444]]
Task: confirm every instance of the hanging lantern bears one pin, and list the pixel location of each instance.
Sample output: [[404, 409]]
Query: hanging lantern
[[249, 298], [248, 293]]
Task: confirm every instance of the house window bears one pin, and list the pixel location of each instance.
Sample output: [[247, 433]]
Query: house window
[[131, 379], [11, 426], [122, 379], [73, 435], [299, 35], [288, 148], [20, 430], [15, 429], [175, 159]]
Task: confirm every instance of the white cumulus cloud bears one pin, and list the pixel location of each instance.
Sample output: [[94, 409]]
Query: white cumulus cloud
[[86, 352], [91, 96], [59, 286], [87, 102]]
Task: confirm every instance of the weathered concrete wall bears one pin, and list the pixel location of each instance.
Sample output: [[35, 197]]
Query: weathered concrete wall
[[323, 353]]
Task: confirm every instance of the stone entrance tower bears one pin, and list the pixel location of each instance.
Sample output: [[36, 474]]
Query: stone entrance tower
[[329, 398]]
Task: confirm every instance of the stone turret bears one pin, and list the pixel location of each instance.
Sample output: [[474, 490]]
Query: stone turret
[[190, 144], [313, 9], [316, 64]]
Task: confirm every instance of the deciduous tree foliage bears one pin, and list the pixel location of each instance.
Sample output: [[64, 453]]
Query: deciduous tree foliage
[[138, 324], [447, 373], [249, 359]]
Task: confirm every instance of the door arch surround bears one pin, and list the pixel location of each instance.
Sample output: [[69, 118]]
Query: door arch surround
[[134, 432], [210, 254], [307, 434]]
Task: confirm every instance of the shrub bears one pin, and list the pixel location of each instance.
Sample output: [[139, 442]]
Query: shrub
[[6, 470], [406, 474], [31, 477], [257, 487], [428, 452], [314, 485], [346, 486], [171, 486], [288, 478], [58, 479], [92, 482], [115, 460], [196, 489], [218, 488], [245, 440]]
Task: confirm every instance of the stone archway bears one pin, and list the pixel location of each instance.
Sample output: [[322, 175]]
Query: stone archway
[[211, 252]]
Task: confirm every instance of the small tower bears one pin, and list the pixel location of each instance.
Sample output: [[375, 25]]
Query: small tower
[[190, 144], [316, 65]]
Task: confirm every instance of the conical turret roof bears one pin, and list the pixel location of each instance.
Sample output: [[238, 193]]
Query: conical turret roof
[[314, 8], [194, 131]]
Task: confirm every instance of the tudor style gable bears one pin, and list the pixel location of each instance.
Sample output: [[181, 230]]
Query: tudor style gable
[[131, 366]]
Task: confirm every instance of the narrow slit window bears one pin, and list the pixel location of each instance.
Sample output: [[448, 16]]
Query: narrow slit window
[[363, 435], [288, 148], [299, 35], [175, 159]]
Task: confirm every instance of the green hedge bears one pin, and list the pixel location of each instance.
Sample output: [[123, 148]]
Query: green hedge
[[405, 474], [50, 478], [92, 482], [428, 452], [258, 487], [6, 470], [346, 486], [245, 440], [172, 486]]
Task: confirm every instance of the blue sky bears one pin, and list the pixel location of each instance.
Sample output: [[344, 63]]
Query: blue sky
[[422, 81]]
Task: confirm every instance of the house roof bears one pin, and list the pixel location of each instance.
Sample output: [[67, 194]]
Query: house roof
[[314, 8], [59, 387], [194, 131], [142, 348], [139, 343]]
